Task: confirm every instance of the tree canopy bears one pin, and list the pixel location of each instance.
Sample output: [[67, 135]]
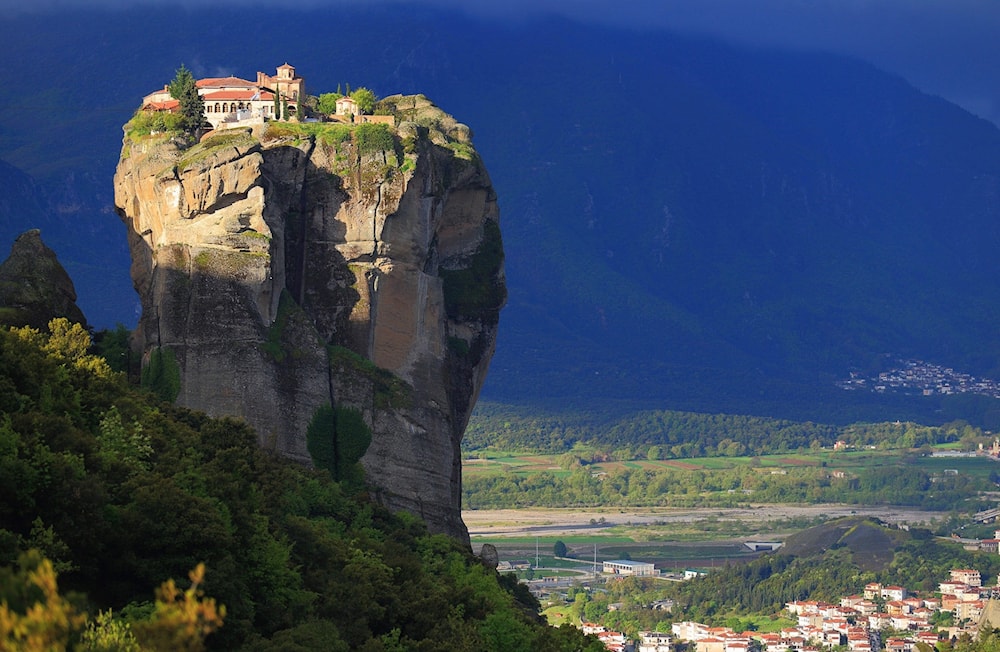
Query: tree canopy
[[328, 103], [122, 492], [365, 99], [184, 89]]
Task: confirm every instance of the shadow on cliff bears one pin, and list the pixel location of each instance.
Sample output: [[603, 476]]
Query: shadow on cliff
[[316, 274], [278, 326]]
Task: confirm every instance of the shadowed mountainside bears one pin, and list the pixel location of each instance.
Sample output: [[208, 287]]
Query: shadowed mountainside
[[690, 225]]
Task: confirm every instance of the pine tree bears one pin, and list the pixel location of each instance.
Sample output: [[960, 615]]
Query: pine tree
[[184, 89]]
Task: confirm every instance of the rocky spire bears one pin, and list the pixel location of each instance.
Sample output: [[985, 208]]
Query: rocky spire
[[34, 287], [338, 287]]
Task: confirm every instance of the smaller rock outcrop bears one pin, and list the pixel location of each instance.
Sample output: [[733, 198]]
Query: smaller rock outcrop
[[34, 287]]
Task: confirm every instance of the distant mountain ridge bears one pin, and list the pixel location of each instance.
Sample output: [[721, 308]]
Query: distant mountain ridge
[[690, 225]]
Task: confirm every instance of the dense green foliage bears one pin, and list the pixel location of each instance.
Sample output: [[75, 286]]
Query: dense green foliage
[[682, 487], [584, 439], [327, 103], [336, 440], [477, 289], [122, 492], [676, 434], [376, 137], [364, 98], [162, 375], [388, 389], [192, 108], [146, 123]]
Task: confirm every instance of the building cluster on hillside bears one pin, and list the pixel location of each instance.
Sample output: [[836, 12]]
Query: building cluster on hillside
[[619, 642], [925, 378], [616, 641], [857, 622]]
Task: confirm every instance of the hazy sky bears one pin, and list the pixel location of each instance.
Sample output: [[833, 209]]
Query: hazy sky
[[945, 47]]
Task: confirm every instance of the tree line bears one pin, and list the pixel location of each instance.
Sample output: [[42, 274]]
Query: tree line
[[667, 434], [121, 492], [634, 487]]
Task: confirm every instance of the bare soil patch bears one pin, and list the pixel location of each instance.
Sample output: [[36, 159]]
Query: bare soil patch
[[530, 522]]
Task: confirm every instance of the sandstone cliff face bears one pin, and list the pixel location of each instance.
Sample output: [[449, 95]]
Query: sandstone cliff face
[[300, 268]]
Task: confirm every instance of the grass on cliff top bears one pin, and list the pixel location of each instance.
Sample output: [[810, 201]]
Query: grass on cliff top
[[149, 123], [390, 391], [330, 133], [213, 144]]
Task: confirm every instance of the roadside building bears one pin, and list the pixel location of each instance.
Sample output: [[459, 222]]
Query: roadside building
[[629, 567]]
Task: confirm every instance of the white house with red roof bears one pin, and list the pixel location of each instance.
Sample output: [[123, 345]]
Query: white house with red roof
[[233, 101], [893, 592]]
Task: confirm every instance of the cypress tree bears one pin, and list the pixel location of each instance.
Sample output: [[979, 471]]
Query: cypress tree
[[184, 89]]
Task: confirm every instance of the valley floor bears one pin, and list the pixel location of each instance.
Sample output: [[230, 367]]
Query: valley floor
[[562, 522]]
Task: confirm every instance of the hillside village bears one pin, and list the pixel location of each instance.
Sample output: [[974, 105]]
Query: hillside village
[[918, 376], [857, 622], [881, 617]]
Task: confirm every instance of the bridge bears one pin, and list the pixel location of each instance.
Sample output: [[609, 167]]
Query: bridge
[[987, 515]]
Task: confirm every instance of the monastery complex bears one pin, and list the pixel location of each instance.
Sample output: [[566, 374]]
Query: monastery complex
[[232, 101]]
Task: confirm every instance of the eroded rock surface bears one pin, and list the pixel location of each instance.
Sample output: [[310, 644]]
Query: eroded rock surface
[[296, 268], [34, 286]]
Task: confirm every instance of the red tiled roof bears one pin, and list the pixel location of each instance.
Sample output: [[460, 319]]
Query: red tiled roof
[[222, 82], [169, 105], [230, 95]]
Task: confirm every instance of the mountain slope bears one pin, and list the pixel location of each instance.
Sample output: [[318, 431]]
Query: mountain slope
[[688, 224], [122, 492]]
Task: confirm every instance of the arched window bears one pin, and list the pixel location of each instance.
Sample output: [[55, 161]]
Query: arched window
[[216, 107], [225, 107]]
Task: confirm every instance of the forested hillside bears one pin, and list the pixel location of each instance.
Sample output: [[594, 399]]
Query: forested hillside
[[122, 492], [667, 434], [823, 563]]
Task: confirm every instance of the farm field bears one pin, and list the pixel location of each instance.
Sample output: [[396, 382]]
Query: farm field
[[493, 463], [699, 533], [669, 537]]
